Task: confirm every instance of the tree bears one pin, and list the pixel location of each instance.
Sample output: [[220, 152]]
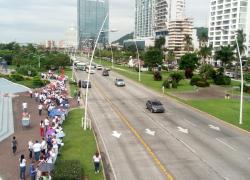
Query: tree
[[241, 38], [189, 62], [177, 76], [170, 56], [153, 57], [159, 42], [188, 42], [204, 53], [203, 38], [207, 71], [225, 54]]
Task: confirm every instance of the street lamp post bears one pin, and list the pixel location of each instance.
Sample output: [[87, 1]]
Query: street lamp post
[[112, 60], [87, 89], [139, 62], [241, 75]]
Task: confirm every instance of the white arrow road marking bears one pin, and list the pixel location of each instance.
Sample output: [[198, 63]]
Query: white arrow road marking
[[116, 134], [214, 127], [148, 131], [229, 146], [183, 130]]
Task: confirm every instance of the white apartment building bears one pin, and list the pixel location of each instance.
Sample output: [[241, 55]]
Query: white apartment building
[[226, 17], [177, 9], [161, 17], [144, 18]]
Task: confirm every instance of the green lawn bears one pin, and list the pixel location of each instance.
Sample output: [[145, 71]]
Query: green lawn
[[227, 110], [79, 145]]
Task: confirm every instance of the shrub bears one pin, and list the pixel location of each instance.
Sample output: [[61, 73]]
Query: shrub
[[37, 82], [166, 84], [188, 73], [177, 76], [195, 79], [202, 83], [247, 77], [222, 80], [157, 76], [25, 69], [246, 88], [174, 84], [16, 77], [67, 170]]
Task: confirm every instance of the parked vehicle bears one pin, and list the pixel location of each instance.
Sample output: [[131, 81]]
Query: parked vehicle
[[119, 82], [85, 83], [105, 73], [155, 106]]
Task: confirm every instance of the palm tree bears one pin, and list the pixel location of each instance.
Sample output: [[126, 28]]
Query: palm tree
[[225, 54], [170, 56], [188, 42], [241, 38], [203, 38], [205, 52]]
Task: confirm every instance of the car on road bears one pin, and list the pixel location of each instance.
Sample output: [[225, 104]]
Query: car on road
[[85, 83], [155, 106], [98, 67], [105, 73], [92, 70], [119, 82]]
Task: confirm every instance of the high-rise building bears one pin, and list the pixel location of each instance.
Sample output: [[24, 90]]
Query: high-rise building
[[226, 17], [144, 18], [178, 29], [90, 16], [161, 17], [177, 9]]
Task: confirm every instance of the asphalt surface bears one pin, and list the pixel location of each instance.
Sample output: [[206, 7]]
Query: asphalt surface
[[187, 144]]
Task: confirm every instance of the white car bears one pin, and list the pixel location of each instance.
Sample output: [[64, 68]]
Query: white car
[[98, 67], [92, 71], [119, 82]]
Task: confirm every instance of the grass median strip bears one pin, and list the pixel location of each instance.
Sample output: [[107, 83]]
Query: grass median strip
[[79, 145]]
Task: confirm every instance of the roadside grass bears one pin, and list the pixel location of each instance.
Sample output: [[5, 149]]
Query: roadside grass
[[79, 145], [227, 110], [73, 85]]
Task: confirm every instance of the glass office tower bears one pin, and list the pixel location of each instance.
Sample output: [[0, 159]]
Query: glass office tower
[[90, 16]]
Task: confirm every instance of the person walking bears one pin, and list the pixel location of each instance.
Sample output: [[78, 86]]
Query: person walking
[[25, 106], [30, 145], [32, 170], [14, 145], [31, 93], [46, 124], [37, 150], [22, 165], [78, 100], [36, 96], [42, 127], [97, 160], [40, 108]]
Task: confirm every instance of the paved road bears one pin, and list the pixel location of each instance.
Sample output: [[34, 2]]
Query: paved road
[[187, 144]]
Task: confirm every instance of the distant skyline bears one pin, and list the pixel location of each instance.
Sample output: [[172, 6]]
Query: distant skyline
[[40, 20]]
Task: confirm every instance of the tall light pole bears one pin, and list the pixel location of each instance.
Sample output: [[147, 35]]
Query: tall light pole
[[138, 60], [112, 60], [87, 89], [241, 75]]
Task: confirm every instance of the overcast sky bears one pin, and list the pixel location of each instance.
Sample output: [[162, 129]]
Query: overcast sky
[[38, 20]]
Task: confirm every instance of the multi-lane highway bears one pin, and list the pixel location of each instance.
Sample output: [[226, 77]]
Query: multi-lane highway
[[182, 143]]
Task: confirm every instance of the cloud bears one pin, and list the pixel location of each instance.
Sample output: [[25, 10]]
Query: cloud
[[38, 20]]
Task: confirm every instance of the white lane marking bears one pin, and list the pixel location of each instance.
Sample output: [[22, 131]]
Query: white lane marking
[[214, 127], [148, 131], [116, 134], [229, 146], [189, 147], [182, 130]]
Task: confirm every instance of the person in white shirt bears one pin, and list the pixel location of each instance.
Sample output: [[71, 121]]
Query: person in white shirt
[[30, 145], [22, 165], [37, 150], [31, 93], [25, 106], [46, 123], [43, 146], [97, 160], [36, 96], [40, 108]]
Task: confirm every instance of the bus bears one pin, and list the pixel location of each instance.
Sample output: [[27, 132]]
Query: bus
[[81, 66]]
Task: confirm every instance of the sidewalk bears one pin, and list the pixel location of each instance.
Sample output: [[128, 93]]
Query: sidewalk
[[9, 166]]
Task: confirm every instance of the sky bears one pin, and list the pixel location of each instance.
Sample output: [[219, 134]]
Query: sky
[[40, 20]]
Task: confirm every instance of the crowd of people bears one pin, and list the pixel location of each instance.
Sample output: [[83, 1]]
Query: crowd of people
[[53, 101]]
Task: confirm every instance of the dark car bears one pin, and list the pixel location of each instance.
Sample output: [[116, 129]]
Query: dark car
[[85, 83], [105, 73], [119, 82], [155, 106]]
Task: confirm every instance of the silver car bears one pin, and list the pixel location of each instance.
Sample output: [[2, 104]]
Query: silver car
[[155, 106], [119, 82]]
